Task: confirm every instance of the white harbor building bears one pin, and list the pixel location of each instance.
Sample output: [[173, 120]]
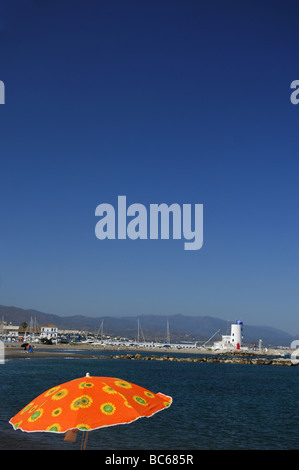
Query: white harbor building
[[49, 332], [232, 341]]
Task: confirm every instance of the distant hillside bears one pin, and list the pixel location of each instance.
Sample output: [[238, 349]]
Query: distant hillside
[[182, 327]]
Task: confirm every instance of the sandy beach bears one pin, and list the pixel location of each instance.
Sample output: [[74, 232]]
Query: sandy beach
[[15, 351]]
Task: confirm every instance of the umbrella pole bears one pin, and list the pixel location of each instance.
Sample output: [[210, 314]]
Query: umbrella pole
[[84, 440]]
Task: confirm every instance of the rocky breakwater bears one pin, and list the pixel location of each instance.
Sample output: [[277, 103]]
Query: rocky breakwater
[[233, 359]]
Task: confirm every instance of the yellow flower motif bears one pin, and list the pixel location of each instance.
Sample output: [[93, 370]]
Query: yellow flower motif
[[108, 389], [123, 383], [86, 385], [84, 401], [26, 408], [60, 394], [51, 391], [166, 404], [140, 400], [18, 424], [57, 412], [126, 403], [36, 415], [149, 394], [83, 427], [108, 408], [75, 405], [54, 427]]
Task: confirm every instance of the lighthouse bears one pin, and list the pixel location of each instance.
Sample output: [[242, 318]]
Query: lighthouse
[[232, 341], [236, 334]]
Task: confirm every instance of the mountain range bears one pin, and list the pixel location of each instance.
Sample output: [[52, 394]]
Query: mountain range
[[181, 327]]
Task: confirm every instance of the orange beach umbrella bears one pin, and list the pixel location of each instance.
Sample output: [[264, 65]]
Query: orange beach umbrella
[[88, 403]]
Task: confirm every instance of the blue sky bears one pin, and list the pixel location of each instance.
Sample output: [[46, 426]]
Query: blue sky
[[161, 101]]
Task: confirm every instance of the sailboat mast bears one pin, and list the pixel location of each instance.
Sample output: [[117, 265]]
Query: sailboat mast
[[101, 331], [167, 333], [140, 332]]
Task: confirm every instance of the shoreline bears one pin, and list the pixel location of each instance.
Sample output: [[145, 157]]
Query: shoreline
[[271, 357]]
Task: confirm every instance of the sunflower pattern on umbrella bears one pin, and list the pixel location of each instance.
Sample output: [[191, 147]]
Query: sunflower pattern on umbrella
[[89, 403]]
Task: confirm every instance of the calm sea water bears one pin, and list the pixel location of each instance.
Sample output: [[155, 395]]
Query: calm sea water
[[215, 406]]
